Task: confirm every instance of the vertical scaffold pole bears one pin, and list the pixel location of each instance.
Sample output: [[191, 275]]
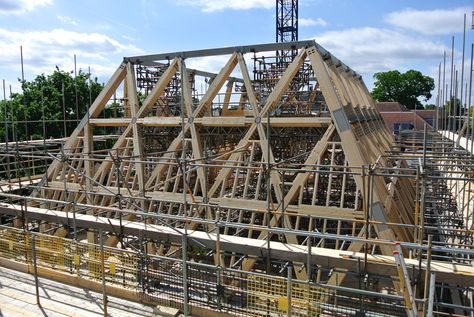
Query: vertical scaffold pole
[[289, 288], [184, 245], [35, 269], [102, 272], [469, 100], [268, 184], [427, 275], [6, 132], [461, 100], [22, 82], [431, 294]]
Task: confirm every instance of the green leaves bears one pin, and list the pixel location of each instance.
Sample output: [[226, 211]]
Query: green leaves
[[405, 88], [48, 100]]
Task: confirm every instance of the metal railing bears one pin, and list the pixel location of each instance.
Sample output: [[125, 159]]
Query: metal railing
[[159, 280]]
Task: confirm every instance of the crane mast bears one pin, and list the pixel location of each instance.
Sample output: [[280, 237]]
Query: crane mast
[[286, 27]]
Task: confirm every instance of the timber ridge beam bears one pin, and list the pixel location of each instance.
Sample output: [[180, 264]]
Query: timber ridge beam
[[152, 60], [462, 275]]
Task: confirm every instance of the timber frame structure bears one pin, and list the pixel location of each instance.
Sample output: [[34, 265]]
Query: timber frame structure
[[260, 167]]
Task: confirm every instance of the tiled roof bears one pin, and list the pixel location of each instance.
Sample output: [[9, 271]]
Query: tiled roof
[[426, 114], [390, 106]]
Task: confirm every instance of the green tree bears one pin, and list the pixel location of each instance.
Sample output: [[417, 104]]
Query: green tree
[[405, 88], [456, 110], [47, 106]]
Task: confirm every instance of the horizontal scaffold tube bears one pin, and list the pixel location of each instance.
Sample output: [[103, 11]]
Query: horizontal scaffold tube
[[452, 273]]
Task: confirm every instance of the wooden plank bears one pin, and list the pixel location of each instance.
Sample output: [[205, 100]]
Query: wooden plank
[[88, 164], [197, 149], [120, 292], [452, 273], [221, 202], [95, 109], [228, 121], [155, 93], [354, 154], [204, 104], [136, 129]]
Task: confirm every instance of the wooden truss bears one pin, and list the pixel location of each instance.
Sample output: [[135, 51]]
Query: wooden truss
[[284, 156]]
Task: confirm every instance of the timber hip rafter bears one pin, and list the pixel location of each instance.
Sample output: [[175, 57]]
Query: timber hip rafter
[[218, 146]]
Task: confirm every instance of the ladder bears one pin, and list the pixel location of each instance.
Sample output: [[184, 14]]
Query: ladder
[[405, 284]]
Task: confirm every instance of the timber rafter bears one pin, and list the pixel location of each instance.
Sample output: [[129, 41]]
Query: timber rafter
[[231, 151]]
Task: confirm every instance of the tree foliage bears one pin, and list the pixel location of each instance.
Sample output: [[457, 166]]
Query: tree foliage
[[405, 88], [453, 107], [430, 106], [46, 103]]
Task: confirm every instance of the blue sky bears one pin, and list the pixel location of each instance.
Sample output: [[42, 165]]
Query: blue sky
[[368, 35]]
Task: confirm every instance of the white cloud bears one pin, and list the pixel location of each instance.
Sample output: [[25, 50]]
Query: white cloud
[[368, 50], [67, 20], [22, 6], [311, 22], [212, 64], [129, 38], [430, 22], [43, 50], [219, 5], [10, 86]]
